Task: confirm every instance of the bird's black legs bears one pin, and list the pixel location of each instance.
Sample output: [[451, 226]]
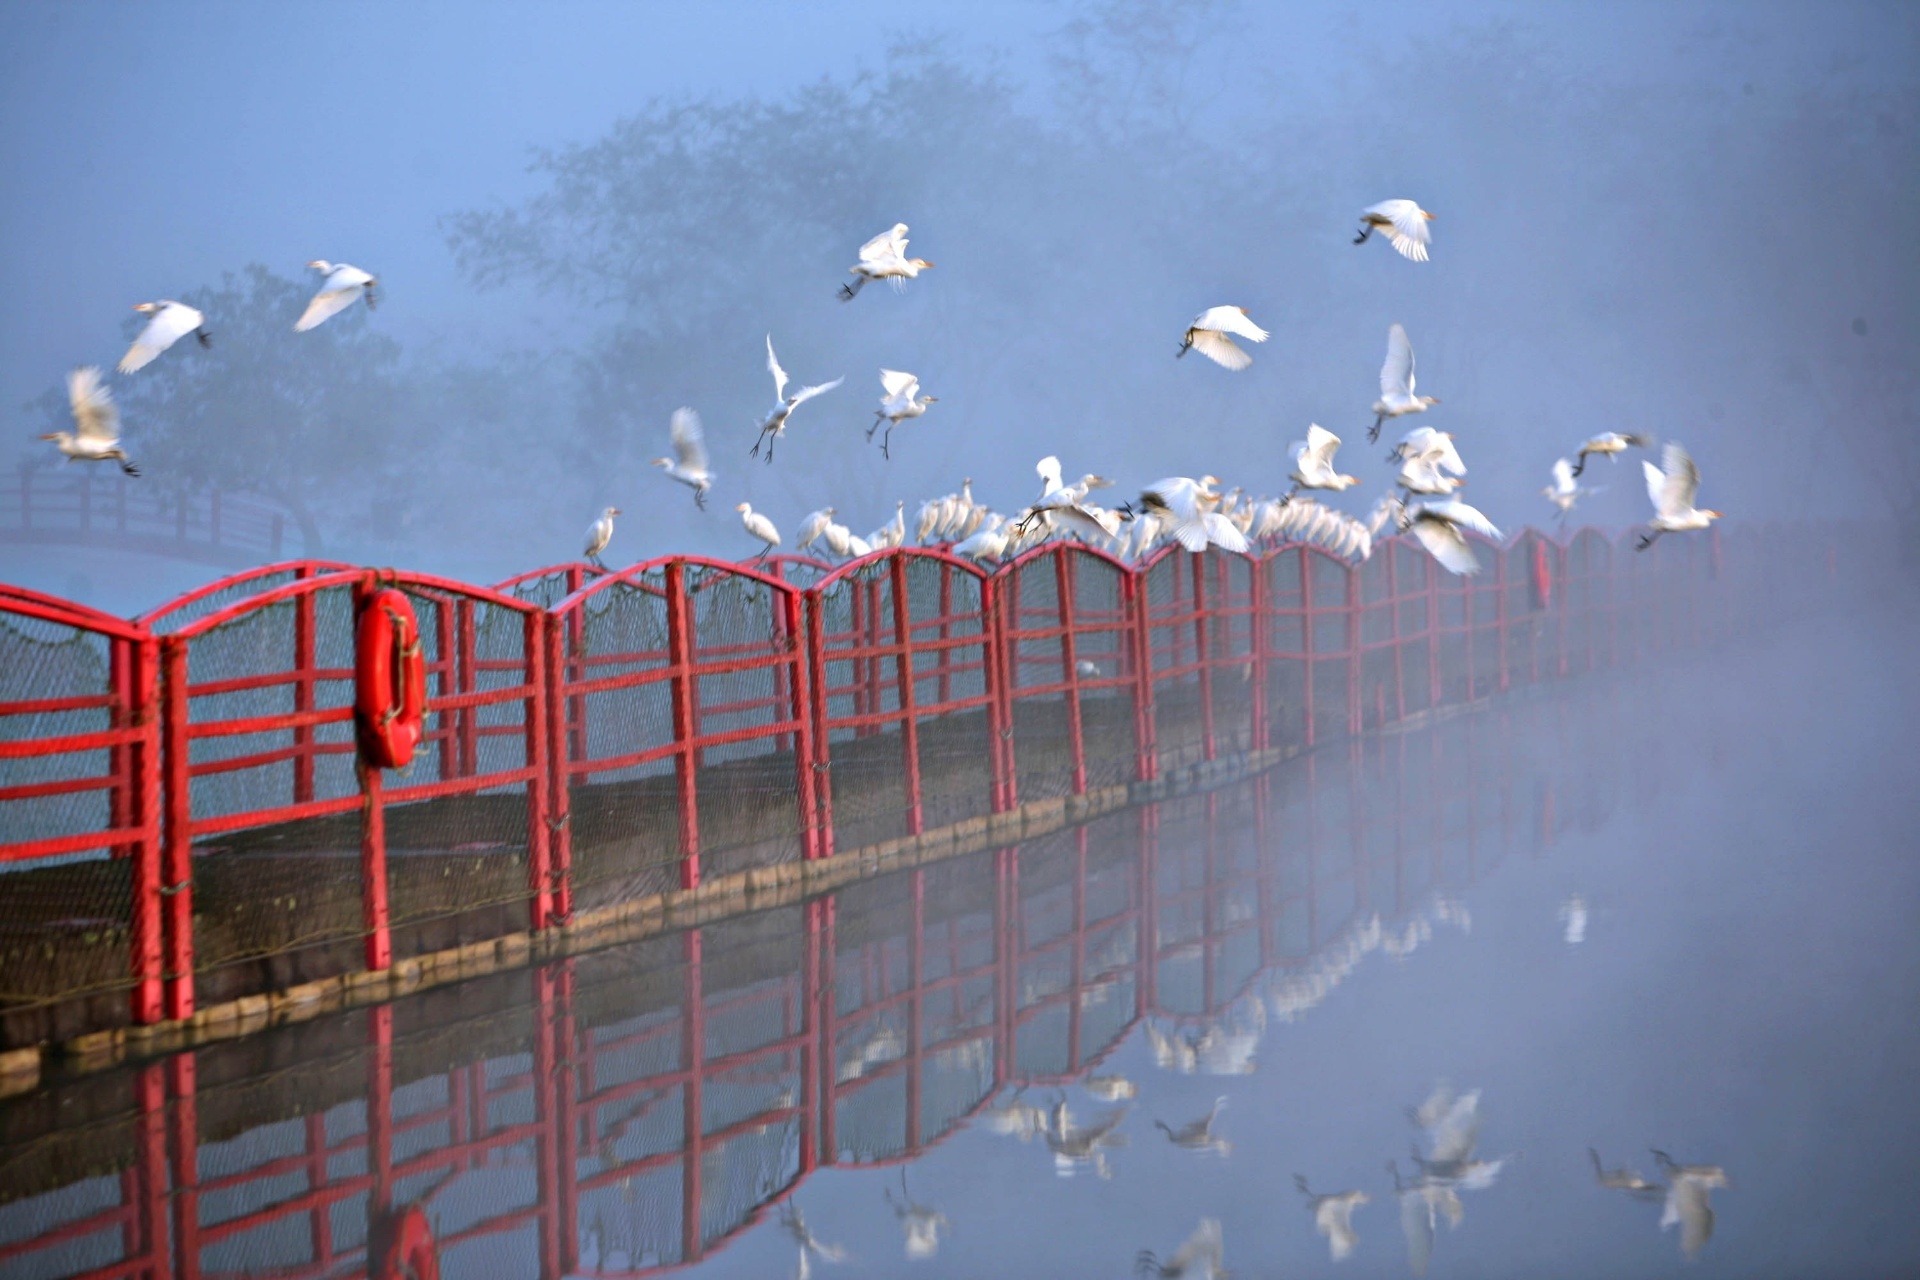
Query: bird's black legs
[[886, 439], [1184, 348], [1289, 498], [700, 499], [878, 418], [127, 467], [1366, 229], [206, 339], [1373, 432], [372, 301], [847, 291], [1647, 539], [1580, 464]]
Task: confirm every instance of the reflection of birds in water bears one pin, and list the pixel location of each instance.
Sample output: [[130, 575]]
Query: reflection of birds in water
[[796, 1226], [1573, 914], [1074, 1145], [1202, 1257], [1197, 1135], [1014, 1118], [1624, 1179], [1423, 1202], [1451, 1123], [1689, 1187], [1333, 1216], [1110, 1088], [1172, 1051], [921, 1222]]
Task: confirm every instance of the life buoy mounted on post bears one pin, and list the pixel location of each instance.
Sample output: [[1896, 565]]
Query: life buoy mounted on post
[[1542, 575], [390, 680]]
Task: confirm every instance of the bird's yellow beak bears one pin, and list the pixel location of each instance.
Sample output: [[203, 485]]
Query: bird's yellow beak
[[1426, 215], [143, 306], [1714, 514], [616, 511], [50, 436]]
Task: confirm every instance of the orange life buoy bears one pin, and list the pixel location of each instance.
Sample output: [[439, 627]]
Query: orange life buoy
[[410, 1254], [390, 680], [1542, 575]]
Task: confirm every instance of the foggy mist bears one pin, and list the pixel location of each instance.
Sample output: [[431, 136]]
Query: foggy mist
[[1689, 220]]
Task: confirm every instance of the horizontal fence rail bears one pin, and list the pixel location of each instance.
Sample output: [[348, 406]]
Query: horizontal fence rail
[[75, 507], [636, 1110], [184, 818]]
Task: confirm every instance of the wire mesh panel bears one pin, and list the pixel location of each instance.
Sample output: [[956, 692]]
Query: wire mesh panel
[[1531, 610], [1180, 649], [78, 820], [1587, 589], [183, 611], [547, 587]]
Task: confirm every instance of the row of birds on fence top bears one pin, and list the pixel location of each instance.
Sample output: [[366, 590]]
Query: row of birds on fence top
[[1449, 1122], [1195, 513]]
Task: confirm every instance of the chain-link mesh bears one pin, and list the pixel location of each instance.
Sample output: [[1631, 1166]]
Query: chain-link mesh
[[866, 738]]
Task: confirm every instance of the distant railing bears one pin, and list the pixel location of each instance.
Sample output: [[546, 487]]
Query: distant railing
[[87, 507], [597, 737]]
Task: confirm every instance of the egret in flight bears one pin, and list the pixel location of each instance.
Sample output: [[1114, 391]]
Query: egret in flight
[[775, 423], [884, 258], [1565, 491], [1198, 1135], [1396, 384], [1674, 487], [1402, 222], [1689, 1198], [1611, 443], [1313, 463], [688, 464], [171, 321], [1441, 525], [96, 422], [600, 533], [758, 526], [1624, 1179], [901, 401], [338, 290], [1429, 462], [1187, 510], [1333, 1216], [1213, 331], [1202, 1257]]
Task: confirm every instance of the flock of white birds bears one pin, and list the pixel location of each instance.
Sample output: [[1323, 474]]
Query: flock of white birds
[[1195, 513]]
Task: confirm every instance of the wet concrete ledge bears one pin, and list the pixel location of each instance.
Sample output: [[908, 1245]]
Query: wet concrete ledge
[[719, 898]]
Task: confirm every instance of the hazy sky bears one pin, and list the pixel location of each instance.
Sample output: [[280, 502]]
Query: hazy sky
[[151, 148]]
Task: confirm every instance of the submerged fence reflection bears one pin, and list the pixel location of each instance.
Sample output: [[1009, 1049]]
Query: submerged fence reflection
[[631, 1110]]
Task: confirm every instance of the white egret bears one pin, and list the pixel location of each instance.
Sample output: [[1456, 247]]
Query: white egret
[[884, 258], [901, 401], [96, 422], [341, 286], [1689, 1199], [1396, 384], [1439, 524], [1212, 333], [689, 463], [774, 425], [600, 533], [1313, 463], [1067, 504], [1111, 1088], [1333, 1216], [1198, 1135], [1202, 1257], [986, 544], [1187, 510], [171, 321], [1565, 490], [1403, 223], [1674, 487], [1074, 1145], [1573, 914], [894, 532], [1624, 1179], [921, 1222], [758, 526], [1612, 444], [812, 528]]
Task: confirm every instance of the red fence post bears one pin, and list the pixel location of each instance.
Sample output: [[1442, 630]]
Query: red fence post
[[549, 893], [303, 667], [1203, 654], [693, 1048], [1257, 644], [1353, 651], [685, 722], [176, 854], [903, 667], [374, 906], [995, 669], [559, 770], [146, 956], [820, 764], [185, 1122], [1309, 624], [801, 695], [1069, 665], [448, 663], [1139, 605]]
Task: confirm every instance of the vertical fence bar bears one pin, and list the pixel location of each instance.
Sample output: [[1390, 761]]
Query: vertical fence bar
[[1352, 609], [559, 769], [146, 954], [819, 766], [1203, 654], [994, 664], [549, 896], [303, 689], [1070, 665], [693, 1104], [910, 720], [1140, 633], [447, 659], [176, 864], [466, 680], [374, 907], [185, 1124], [801, 694], [685, 722], [1258, 645]]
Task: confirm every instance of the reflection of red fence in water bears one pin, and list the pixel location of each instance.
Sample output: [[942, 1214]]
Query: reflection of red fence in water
[[631, 1111], [185, 819]]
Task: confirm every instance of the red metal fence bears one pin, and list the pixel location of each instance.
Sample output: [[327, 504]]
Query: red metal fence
[[634, 1110], [183, 816]]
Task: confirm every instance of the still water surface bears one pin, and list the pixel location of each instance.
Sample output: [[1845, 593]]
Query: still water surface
[[1672, 910]]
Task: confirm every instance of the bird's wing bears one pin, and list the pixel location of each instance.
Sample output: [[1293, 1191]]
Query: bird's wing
[[1334, 1216], [1446, 456], [779, 374], [169, 324], [1219, 348], [1321, 443], [1206, 1244], [1458, 512], [689, 441], [1445, 544], [1656, 485], [1222, 532], [891, 243], [805, 394], [1688, 1204], [1682, 480], [1407, 227], [1234, 320], [326, 304], [1563, 476], [94, 415], [1396, 375], [1416, 1221], [1048, 469], [347, 276], [1176, 494], [899, 385]]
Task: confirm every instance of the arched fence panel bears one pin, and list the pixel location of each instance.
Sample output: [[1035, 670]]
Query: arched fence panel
[[1586, 603], [1530, 614], [1202, 616]]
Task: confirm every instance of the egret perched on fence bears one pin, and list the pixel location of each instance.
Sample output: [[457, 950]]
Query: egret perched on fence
[[170, 322], [1402, 222], [1212, 332], [688, 464], [343, 284], [600, 533], [758, 526], [96, 422]]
